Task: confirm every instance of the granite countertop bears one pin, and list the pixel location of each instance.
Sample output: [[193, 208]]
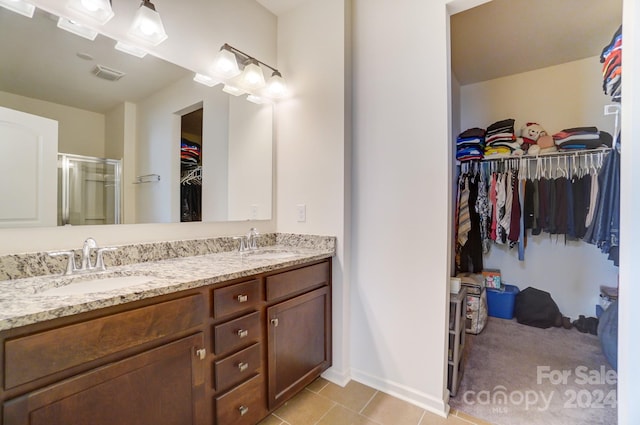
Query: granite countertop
[[22, 301]]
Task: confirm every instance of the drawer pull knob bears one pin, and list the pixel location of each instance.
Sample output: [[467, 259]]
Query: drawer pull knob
[[243, 366], [275, 322], [242, 298], [243, 410], [243, 333], [201, 353]]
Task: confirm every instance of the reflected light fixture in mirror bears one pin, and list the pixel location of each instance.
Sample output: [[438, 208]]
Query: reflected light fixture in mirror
[[19, 6], [131, 49], [77, 28], [147, 25], [99, 11]]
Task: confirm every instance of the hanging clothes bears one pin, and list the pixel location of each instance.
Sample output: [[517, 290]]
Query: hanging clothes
[[604, 230]]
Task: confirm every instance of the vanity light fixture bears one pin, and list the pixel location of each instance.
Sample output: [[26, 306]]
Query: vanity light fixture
[[130, 49], [19, 6], [276, 86], [76, 28], [225, 64], [147, 25], [99, 11], [251, 79]]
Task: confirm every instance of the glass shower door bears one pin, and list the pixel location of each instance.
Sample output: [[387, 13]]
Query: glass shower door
[[89, 190]]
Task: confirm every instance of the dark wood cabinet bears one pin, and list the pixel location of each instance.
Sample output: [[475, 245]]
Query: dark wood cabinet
[[228, 353], [299, 346], [299, 329], [162, 386]]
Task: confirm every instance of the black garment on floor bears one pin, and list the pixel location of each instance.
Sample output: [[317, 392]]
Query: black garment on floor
[[534, 307]]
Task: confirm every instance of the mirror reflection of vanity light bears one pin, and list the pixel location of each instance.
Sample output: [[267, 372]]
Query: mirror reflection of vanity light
[[233, 90], [130, 49], [19, 6]]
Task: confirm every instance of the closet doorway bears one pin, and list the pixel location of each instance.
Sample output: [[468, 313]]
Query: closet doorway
[[535, 62], [191, 166]]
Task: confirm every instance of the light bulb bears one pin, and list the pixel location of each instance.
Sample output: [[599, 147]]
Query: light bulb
[[90, 5]]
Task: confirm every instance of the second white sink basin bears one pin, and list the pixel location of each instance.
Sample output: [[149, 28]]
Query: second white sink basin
[[93, 285]]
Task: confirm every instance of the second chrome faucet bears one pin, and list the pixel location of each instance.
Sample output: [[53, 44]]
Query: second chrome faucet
[[248, 242]]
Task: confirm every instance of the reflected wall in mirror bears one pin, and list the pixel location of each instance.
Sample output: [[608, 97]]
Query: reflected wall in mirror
[[50, 73]]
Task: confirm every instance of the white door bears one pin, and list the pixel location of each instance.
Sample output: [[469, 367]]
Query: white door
[[28, 169]]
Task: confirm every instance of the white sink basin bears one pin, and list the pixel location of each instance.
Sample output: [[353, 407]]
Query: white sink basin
[[93, 285]]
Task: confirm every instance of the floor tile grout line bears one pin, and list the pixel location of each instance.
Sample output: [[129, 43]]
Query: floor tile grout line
[[424, 412], [368, 402], [326, 413]]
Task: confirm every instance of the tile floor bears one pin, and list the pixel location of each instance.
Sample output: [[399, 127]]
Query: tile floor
[[324, 403]]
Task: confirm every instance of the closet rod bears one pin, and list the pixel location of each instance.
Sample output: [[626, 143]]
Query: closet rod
[[567, 154]]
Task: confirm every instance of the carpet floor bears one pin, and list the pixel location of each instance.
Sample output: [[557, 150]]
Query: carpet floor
[[521, 375]]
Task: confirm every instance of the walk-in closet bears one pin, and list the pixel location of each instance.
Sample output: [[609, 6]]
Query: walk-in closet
[[536, 151]]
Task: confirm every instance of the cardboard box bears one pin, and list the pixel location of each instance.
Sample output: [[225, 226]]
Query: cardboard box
[[492, 279]]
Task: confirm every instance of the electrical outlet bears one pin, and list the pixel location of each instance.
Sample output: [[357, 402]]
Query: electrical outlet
[[301, 213]]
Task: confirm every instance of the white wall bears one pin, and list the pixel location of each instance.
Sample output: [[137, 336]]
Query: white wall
[[401, 175], [557, 97], [313, 136], [158, 151], [628, 341], [80, 132], [250, 159]]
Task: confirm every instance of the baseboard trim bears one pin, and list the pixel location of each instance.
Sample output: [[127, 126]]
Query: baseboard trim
[[432, 404], [340, 378]]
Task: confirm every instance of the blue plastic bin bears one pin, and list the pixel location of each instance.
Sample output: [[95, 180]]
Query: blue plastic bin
[[501, 302]]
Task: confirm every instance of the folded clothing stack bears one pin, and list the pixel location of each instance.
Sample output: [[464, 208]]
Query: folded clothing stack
[[500, 139], [611, 59], [470, 144], [582, 138]]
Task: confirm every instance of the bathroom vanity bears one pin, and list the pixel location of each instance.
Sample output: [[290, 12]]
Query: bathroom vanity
[[221, 338]]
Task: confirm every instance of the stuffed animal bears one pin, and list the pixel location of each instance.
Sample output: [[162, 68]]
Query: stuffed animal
[[535, 139]]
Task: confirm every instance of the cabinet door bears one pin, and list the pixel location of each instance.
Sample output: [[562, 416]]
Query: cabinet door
[[162, 386], [299, 346]]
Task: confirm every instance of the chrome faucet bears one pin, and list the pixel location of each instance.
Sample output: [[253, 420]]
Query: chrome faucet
[[248, 242], [85, 259], [252, 238]]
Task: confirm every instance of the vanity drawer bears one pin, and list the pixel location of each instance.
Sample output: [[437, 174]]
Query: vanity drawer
[[297, 281], [237, 333], [236, 298], [238, 367], [244, 405], [35, 356]]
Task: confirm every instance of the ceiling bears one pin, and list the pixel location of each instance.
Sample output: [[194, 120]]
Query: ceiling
[[41, 61], [279, 7], [505, 37]]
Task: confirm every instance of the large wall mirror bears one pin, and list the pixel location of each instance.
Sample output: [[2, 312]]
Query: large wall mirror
[[137, 119]]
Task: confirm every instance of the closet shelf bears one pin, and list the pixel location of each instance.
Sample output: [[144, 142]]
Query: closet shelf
[[581, 152]]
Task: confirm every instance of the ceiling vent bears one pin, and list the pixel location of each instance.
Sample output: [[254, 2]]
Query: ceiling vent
[[107, 73]]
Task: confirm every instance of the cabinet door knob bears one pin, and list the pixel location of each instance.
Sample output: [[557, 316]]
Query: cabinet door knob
[[243, 366], [243, 333], [275, 322], [201, 353], [242, 298], [243, 410]]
